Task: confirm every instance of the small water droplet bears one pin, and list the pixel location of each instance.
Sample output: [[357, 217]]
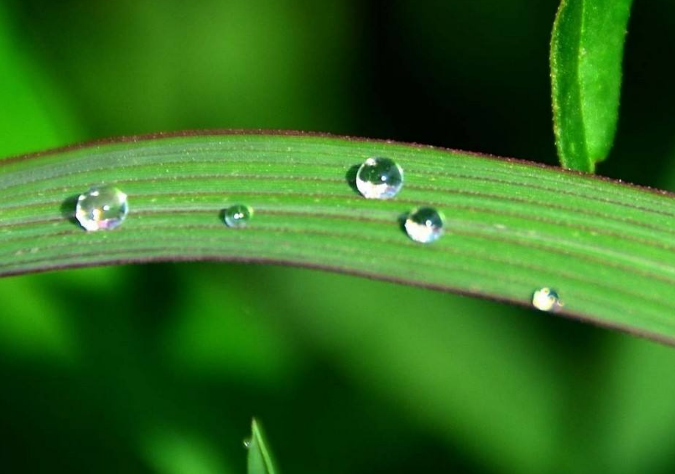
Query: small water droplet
[[546, 299], [424, 224], [238, 215], [379, 178], [247, 443], [101, 208]]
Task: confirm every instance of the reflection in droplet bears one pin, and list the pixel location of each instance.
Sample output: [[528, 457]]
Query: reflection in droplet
[[546, 299], [379, 178], [238, 215], [424, 225], [101, 208]]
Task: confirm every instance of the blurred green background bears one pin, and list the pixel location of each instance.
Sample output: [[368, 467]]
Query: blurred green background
[[159, 368]]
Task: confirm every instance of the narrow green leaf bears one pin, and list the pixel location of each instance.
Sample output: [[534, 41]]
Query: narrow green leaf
[[586, 54], [259, 457], [511, 226]]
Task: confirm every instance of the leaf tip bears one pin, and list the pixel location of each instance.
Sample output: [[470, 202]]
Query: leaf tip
[[259, 456]]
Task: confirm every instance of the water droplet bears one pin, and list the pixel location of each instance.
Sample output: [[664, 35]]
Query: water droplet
[[424, 224], [237, 216], [101, 208], [546, 299], [247, 443], [379, 178]]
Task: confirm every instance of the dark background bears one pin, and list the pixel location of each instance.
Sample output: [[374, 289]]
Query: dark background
[[159, 368]]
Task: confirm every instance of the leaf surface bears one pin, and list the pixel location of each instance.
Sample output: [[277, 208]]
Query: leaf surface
[[511, 227]]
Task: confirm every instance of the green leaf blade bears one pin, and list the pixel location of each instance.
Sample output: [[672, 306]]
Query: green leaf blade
[[586, 55], [511, 227], [259, 457]]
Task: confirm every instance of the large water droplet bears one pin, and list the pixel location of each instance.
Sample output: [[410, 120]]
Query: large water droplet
[[424, 224], [238, 215], [546, 299], [379, 178], [101, 208]]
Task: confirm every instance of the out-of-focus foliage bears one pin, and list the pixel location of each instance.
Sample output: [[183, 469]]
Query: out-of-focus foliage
[[159, 368], [34, 116]]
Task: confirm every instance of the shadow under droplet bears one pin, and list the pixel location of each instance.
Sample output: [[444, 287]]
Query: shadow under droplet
[[350, 176], [401, 222], [68, 209], [221, 215]]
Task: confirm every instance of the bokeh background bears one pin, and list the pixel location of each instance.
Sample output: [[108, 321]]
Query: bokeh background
[[159, 368]]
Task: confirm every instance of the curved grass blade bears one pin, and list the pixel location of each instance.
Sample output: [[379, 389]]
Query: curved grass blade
[[586, 55], [259, 457], [511, 227]]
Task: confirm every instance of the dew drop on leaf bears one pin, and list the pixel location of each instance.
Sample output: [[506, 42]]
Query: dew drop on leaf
[[546, 299], [424, 225], [379, 178], [237, 216], [101, 208]]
